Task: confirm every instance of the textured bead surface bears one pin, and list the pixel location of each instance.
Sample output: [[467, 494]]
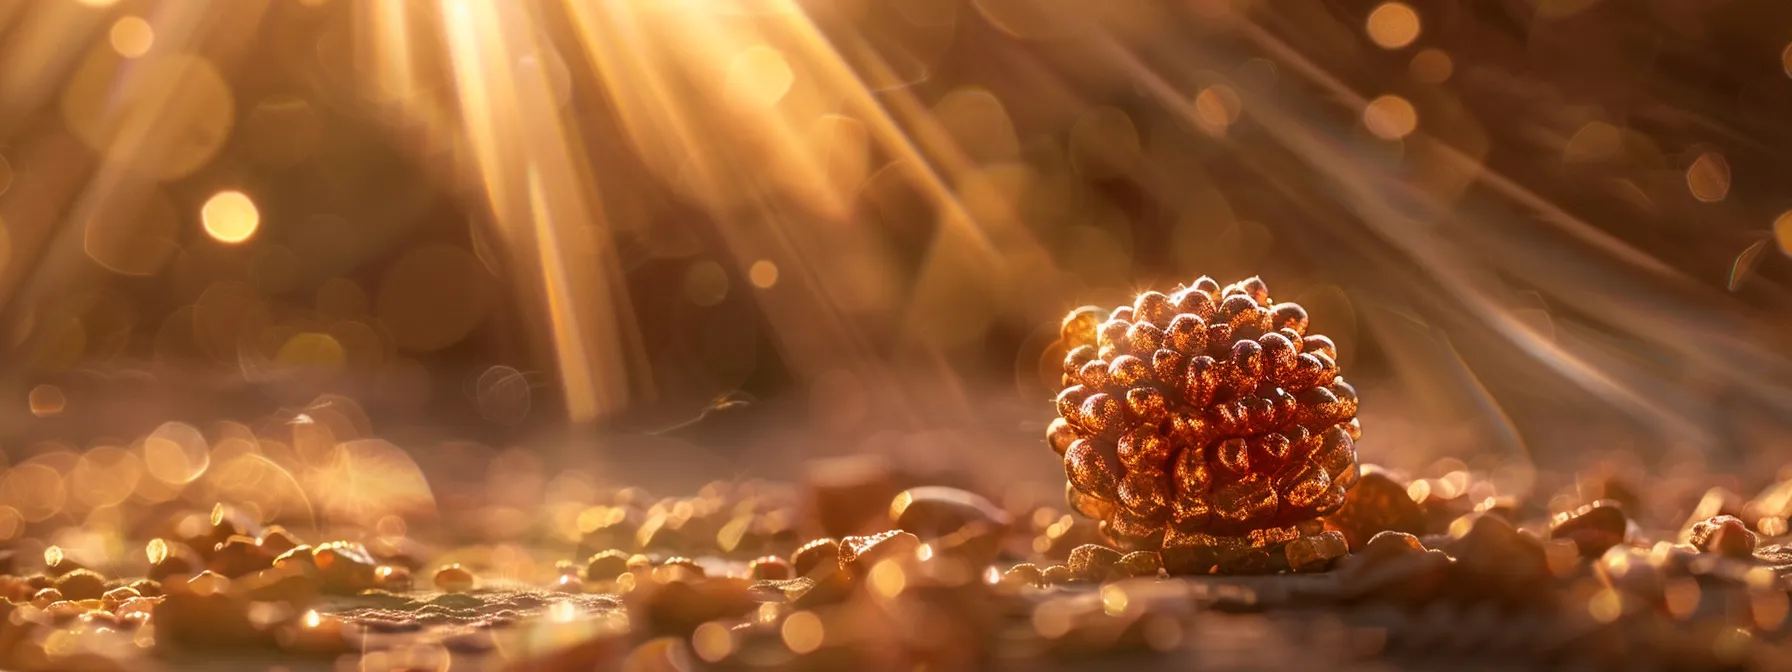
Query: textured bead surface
[[1208, 410]]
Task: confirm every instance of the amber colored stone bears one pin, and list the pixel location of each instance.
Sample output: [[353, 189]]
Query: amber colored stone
[[770, 568], [392, 578], [858, 554], [276, 540], [1026, 574], [1093, 562], [606, 565], [239, 555], [1378, 503], [1593, 528], [1496, 561], [117, 596], [935, 511], [453, 579], [81, 584], [815, 554], [1139, 563], [1723, 535], [345, 567], [849, 495], [1315, 553], [679, 569]]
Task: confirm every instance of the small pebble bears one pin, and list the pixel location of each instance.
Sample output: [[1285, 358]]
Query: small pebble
[[345, 566], [1140, 563], [1377, 503], [606, 565], [847, 495], [771, 567], [147, 587], [1093, 562], [276, 540], [46, 597], [817, 553], [1723, 535], [859, 554], [1496, 561], [1056, 575], [640, 565], [1024, 574], [117, 596], [392, 578], [1315, 553], [239, 555], [1593, 528], [453, 579], [935, 511], [679, 569], [81, 584]]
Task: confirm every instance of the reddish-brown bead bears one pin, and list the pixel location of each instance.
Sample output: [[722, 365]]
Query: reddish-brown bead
[[1206, 411]]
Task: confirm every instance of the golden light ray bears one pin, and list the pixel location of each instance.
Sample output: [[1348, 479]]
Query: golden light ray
[[523, 155], [663, 129]]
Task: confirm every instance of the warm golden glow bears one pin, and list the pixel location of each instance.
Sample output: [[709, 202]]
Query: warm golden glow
[[1216, 107], [712, 642], [763, 274], [803, 632], [758, 77], [1393, 25], [1782, 232], [1390, 117], [1709, 177], [131, 36], [47, 400], [230, 217], [1432, 66]]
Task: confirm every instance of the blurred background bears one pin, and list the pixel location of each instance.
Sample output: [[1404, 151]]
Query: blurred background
[[355, 258]]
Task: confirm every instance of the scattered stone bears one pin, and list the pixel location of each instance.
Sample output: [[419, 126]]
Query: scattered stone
[[859, 554], [1057, 575], [848, 494], [678, 607], [1093, 562], [275, 540], [453, 579], [1315, 553], [172, 558], [678, 569], [932, 512], [344, 566], [1139, 563], [292, 583], [1593, 528], [1024, 574], [392, 578], [239, 555], [815, 554], [1378, 503], [1393, 567], [606, 565], [81, 584], [46, 597], [1718, 501], [1723, 535], [1495, 561], [769, 568]]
